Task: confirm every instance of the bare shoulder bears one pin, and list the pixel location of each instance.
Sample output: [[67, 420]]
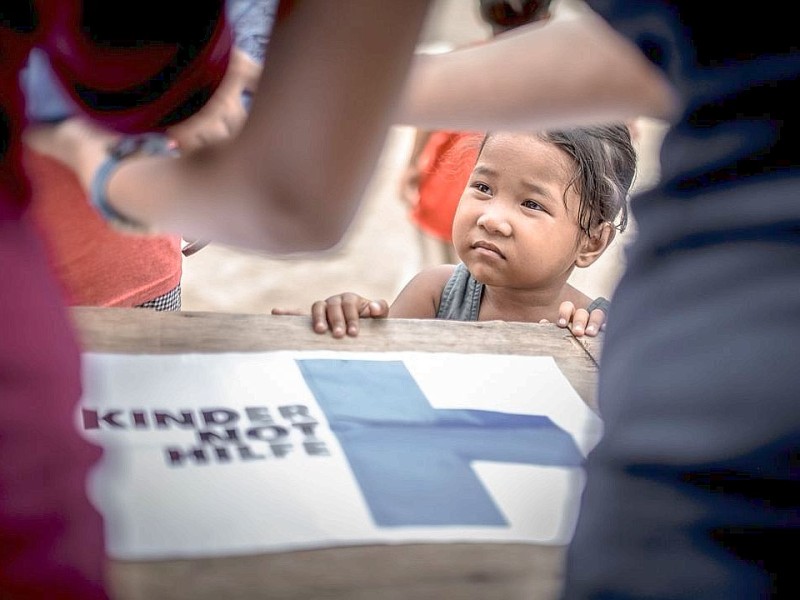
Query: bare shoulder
[[435, 277], [420, 297]]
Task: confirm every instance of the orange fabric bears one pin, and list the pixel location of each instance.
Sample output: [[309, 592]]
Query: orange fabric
[[96, 264], [445, 164]]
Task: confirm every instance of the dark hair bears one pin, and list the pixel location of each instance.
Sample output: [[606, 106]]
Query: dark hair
[[605, 167]]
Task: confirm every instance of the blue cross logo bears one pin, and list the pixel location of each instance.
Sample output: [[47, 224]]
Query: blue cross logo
[[413, 461]]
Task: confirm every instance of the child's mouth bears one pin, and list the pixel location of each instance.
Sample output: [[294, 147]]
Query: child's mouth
[[488, 247]]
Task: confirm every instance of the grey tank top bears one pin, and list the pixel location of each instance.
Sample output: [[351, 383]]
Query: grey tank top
[[461, 297]]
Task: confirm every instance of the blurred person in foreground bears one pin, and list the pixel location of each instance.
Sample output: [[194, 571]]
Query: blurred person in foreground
[[694, 490], [137, 68]]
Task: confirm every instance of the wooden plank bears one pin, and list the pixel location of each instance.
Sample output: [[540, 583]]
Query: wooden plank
[[468, 571], [144, 331], [420, 571]]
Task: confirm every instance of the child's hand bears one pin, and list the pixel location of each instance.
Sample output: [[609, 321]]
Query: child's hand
[[341, 313], [581, 321]]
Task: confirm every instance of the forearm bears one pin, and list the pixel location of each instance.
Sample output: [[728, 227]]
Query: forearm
[[568, 72]]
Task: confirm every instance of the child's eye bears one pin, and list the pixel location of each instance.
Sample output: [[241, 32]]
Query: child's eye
[[532, 205], [481, 187]]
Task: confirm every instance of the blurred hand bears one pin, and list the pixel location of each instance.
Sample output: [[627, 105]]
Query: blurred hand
[[223, 115], [83, 146]]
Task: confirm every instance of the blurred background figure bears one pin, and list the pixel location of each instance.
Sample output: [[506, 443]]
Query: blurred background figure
[[692, 492], [139, 70]]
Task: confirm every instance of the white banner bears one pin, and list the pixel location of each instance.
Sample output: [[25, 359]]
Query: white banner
[[237, 453]]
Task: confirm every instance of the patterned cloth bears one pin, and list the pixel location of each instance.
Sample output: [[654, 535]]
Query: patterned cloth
[[169, 301]]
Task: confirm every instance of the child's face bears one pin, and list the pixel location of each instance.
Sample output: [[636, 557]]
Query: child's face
[[512, 228]]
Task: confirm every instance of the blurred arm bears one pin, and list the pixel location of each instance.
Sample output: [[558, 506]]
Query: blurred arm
[[293, 178], [569, 72]]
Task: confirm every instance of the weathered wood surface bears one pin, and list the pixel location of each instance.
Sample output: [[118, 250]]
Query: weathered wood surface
[[468, 571]]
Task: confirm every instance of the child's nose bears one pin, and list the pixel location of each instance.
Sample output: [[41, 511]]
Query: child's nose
[[494, 222]]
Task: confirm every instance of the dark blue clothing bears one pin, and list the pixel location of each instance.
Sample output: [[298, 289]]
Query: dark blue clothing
[[696, 482]]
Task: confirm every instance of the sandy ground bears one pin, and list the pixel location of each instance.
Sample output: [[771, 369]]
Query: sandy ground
[[382, 250]]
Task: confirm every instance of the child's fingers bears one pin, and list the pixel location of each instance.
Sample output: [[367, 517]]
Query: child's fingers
[[579, 321], [319, 316], [597, 322], [340, 314], [565, 312], [351, 307], [335, 317], [377, 309], [336, 320]]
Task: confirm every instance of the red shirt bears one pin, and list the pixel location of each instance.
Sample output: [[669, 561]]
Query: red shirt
[[96, 264]]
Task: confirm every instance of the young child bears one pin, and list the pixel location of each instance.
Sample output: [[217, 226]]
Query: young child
[[536, 206]]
